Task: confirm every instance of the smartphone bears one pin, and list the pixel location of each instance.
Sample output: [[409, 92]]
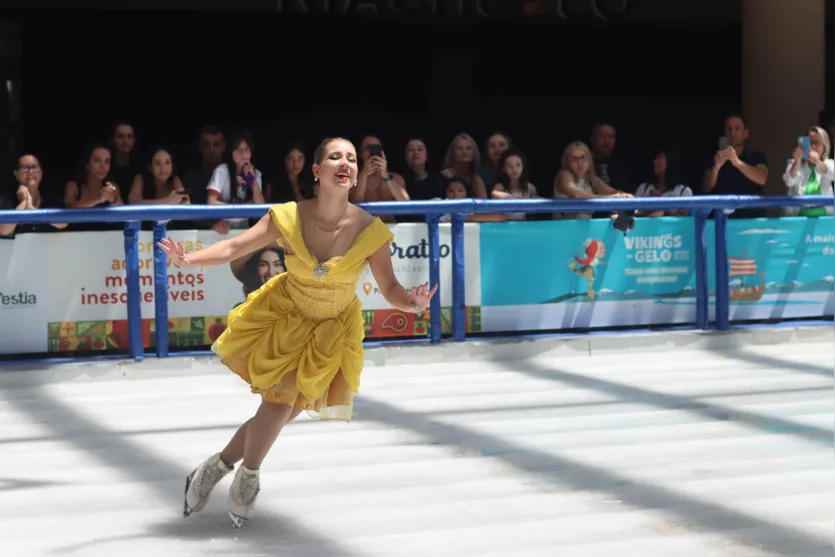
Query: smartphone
[[724, 142], [375, 150], [803, 141]]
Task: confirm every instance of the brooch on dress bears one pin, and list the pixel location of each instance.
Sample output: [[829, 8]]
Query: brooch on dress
[[320, 270]]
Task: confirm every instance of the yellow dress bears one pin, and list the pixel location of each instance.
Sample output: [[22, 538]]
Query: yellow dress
[[297, 340]]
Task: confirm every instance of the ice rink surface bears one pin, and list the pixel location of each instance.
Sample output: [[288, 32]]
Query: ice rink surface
[[683, 453]]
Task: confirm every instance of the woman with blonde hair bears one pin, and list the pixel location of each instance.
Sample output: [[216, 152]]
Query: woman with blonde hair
[[464, 161], [812, 175], [577, 180]]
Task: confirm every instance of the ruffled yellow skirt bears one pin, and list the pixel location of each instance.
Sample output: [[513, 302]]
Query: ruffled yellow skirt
[[290, 359]]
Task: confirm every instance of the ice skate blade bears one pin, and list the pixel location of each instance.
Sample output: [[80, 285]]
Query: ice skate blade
[[237, 521], [187, 511]]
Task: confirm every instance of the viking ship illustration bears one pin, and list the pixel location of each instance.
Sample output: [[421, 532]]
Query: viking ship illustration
[[745, 267]]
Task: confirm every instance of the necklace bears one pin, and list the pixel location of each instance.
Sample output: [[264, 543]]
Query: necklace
[[320, 270], [316, 222], [337, 229]]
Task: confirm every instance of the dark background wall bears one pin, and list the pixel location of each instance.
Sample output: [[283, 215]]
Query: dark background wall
[[663, 79], [307, 78]]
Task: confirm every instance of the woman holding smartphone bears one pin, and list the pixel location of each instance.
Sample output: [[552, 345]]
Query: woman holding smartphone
[[810, 171], [375, 182]]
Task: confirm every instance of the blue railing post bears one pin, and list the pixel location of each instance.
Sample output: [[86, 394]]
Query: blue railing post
[[459, 304], [702, 291], [722, 270], [435, 320], [136, 348], [160, 291]]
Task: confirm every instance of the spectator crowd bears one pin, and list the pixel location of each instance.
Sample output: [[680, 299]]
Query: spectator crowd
[[114, 173]]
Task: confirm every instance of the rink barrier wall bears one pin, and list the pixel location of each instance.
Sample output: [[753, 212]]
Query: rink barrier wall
[[700, 207], [736, 342]]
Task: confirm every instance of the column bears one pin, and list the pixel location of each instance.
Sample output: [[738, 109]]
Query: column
[[782, 76]]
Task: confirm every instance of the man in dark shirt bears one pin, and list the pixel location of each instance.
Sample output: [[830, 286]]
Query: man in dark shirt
[[211, 144], [737, 170], [609, 167], [125, 162]]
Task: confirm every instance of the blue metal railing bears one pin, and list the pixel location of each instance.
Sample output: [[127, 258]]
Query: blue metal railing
[[459, 209]]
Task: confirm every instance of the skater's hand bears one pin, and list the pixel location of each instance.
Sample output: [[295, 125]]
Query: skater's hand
[[419, 297], [175, 251]]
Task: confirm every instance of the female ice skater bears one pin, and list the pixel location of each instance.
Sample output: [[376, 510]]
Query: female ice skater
[[297, 340]]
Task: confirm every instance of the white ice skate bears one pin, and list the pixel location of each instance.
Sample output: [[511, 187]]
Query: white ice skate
[[201, 482], [242, 495]]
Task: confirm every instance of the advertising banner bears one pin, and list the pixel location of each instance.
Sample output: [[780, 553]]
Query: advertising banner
[[23, 297], [779, 268], [87, 307], [577, 274], [65, 292], [410, 259]]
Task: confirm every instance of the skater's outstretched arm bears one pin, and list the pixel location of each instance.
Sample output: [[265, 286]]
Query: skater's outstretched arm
[[414, 300], [262, 234]]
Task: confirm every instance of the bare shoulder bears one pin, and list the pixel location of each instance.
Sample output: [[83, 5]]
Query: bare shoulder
[[361, 218], [564, 174], [71, 189]]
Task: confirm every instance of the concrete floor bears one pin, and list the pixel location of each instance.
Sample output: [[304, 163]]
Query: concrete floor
[[692, 452]]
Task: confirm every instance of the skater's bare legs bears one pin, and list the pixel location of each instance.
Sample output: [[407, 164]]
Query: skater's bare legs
[[262, 431], [254, 438], [234, 450]]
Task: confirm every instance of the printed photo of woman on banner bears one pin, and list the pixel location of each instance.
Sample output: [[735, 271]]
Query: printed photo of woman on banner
[[256, 269]]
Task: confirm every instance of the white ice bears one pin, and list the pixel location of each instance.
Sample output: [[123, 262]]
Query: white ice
[[691, 453]]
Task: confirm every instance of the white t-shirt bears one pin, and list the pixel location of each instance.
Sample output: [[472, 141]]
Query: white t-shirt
[[646, 190], [222, 185], [582, 185]]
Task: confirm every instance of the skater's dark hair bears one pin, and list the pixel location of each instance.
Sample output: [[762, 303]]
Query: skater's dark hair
[[319, 154]]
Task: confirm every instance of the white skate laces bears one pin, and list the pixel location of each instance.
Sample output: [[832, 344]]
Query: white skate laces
[[201, 482], [242, 495]]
